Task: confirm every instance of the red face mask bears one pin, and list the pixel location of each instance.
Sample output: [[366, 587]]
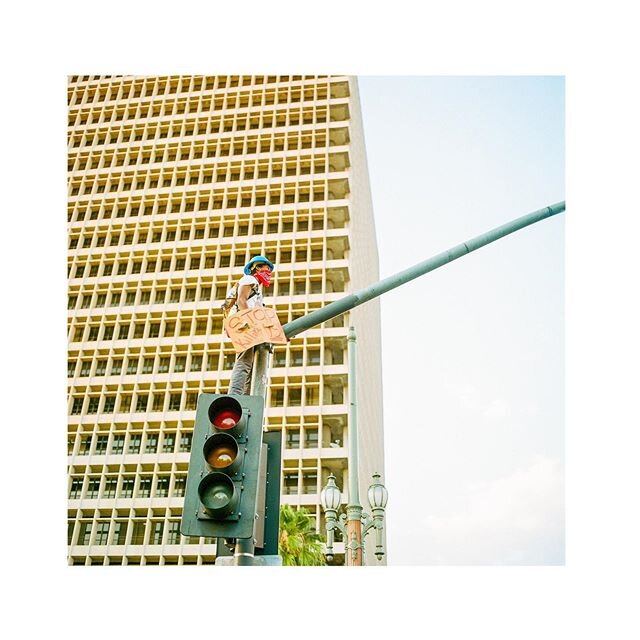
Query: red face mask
[[263, 277]]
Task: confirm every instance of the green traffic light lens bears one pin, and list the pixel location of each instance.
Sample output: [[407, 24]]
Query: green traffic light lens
[[218, 494]]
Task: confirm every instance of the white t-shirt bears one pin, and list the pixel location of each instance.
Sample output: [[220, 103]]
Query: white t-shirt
[[253, 301]]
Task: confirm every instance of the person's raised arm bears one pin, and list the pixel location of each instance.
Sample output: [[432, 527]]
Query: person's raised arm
[[243, 297]]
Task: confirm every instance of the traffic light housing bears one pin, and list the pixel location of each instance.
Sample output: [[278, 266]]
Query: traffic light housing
[[222, 481]]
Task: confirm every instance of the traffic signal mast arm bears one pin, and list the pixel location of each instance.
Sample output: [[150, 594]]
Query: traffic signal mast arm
[[347, 303], [222, 483]]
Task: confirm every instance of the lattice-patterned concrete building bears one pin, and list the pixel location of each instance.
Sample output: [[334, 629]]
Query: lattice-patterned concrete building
[[174, 183]]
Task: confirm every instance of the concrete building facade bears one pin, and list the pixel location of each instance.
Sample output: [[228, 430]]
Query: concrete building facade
[[174, 183]]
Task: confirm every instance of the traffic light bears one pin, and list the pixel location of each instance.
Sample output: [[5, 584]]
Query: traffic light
[[222, 482]]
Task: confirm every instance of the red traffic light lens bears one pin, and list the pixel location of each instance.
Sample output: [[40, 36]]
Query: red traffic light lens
[[226, 418], [227, 414]]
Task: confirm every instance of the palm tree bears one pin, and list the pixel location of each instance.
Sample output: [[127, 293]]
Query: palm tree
[[299, 544]]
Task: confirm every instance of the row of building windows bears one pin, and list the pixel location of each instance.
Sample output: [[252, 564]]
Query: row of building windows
[[152, 531], [98, 299], [150, 131], [158, 262], [249, 196], [175, 228], [183, 260], [196, 256], [290, 392], [85, 444], [206, 123], [239, 144], [105, 329], [127, 532], [80, 331], [159, 206], [127, 486], [127, 88], [167, 486], [297, 436], [158, 104], [100, 330], [142, 401], [203, 174], [159, 294], [94, 404], [162, 437], [135, 364], [181, 361], [164, 121], [171, 231], [134, 559], [256, 195], [247, 169], [159, 109]]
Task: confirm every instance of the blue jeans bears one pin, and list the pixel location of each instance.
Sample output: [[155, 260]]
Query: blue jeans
[[241, 375]]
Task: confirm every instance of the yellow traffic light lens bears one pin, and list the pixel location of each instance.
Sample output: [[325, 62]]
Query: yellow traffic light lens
[[221, 457], [220, 451]]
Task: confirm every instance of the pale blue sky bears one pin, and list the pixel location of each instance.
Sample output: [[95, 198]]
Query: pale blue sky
[[449, 158]]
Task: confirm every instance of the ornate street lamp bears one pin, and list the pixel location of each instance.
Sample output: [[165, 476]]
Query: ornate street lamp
[[378, 496], [330, 498], [354, 525]]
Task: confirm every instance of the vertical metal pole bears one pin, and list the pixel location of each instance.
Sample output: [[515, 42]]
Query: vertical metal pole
[[354, 497], [354, 509], [260, 369], [245, 549]]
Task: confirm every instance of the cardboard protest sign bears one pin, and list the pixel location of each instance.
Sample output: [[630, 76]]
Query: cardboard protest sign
[[254, 326]]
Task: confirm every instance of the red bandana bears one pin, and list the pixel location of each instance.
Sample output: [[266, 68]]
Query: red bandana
[[263, 277]]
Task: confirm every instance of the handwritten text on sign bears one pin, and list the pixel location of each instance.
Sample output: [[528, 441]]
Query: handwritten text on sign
[[254, 326]]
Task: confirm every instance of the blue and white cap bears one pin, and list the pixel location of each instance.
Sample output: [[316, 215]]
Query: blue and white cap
[[256, 260]]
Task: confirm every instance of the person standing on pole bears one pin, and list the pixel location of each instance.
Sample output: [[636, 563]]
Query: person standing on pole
[[246, 294]]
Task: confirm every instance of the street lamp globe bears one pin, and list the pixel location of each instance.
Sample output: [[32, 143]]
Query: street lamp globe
[[377, 494], [330, 496]]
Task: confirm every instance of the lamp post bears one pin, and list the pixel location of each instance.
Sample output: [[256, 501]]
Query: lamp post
[[351, 524]]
